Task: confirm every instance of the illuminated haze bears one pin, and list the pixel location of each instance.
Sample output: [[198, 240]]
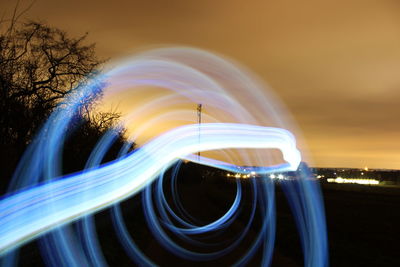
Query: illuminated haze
[[334, 64]]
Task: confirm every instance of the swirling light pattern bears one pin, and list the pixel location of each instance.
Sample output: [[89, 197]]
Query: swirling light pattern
[[241, 114]]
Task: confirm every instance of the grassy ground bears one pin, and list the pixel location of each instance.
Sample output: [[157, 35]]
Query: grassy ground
[[363, 227]]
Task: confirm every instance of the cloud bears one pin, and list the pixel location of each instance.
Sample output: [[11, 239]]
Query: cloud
[[334, 63]]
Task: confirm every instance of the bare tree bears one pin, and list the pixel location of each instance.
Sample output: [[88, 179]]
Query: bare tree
[[39, 66]]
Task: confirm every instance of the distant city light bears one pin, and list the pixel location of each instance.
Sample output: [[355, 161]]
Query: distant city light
[[341, 180]]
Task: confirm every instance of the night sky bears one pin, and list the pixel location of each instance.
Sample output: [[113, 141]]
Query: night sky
[[335, 64]]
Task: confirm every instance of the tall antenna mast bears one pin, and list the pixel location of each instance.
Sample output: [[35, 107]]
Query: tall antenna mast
[[199, 107]]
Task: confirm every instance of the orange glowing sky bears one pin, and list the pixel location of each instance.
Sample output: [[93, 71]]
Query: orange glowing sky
[[335, 64]]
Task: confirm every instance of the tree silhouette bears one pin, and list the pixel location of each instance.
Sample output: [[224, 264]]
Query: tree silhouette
[[39, 66]]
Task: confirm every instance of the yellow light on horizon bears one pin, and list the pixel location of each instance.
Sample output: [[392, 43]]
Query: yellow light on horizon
[[341, 180]]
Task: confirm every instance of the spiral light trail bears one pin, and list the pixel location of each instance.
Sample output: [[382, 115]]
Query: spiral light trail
[[241, 114]]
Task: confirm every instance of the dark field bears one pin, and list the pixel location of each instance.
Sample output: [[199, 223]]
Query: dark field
[[363, 227]]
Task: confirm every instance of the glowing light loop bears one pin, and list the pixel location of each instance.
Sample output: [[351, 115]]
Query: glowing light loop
[[44, 200]]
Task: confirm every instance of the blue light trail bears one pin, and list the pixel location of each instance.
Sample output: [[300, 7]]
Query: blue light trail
[[241, 114]]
